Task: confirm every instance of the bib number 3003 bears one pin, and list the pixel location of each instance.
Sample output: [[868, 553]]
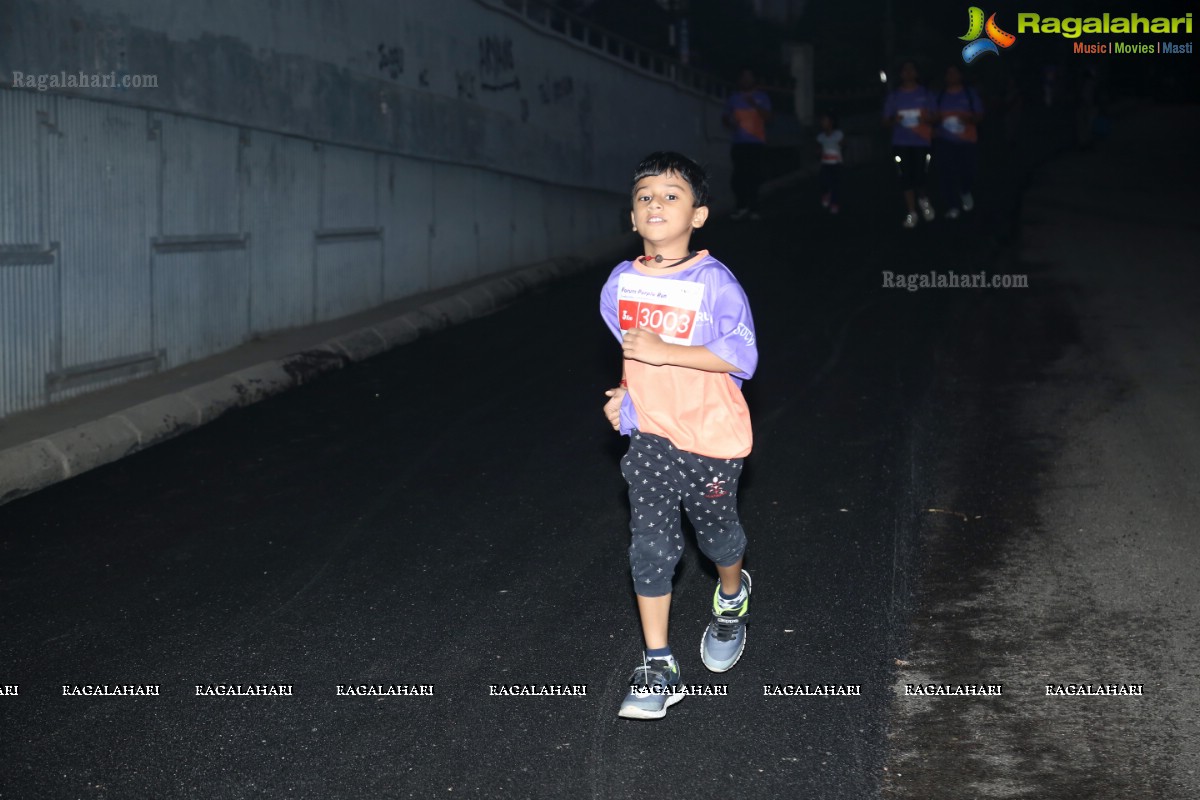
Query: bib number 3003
[[662, 320], [667, 307]]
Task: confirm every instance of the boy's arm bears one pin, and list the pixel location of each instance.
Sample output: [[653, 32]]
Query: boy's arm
[[646, 346], [616, 395]]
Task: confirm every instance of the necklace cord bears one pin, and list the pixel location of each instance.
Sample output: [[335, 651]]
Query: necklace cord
[[658, 259]]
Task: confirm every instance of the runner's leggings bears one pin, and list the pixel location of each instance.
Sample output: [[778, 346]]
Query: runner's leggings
[[661, 478]]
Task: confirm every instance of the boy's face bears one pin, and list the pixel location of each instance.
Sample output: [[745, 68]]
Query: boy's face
[[665, 210]]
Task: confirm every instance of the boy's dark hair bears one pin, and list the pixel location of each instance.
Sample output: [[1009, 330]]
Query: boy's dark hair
[[663, 161], [832, 118]]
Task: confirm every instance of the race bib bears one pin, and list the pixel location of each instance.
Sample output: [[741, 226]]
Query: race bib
[[954, 125], [666, 307], [910, 117]]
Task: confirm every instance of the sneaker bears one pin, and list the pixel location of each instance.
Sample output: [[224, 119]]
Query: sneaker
[[952, 214], [833, 208], [739, 215], [910, 221], [825, 200], [968, 202], [926, 208], [725, 638], [651, 690]]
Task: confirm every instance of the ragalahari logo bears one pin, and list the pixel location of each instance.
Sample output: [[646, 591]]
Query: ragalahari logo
[[976, 27]]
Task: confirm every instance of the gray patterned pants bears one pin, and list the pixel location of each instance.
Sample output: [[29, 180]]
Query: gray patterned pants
[[662, 477]]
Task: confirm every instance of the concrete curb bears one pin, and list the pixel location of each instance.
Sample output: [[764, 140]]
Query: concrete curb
[[26, 468]]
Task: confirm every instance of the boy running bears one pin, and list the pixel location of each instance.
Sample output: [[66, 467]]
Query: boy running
[[688, 342]]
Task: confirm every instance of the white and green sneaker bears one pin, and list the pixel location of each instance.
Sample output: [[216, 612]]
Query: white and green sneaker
[[653, 688], [725, 638]]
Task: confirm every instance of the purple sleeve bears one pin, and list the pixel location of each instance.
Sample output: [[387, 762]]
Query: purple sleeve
[[763, 99], [608, 311], [735, 340], [889, 106], [608, 304]]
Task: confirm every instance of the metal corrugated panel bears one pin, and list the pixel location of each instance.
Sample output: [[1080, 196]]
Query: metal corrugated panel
[[199, 177], [529, 227], [20, 163], [455, 240], [28, 329], [28, 298], [349, 272], [178, 237], [200, 299], [348, 188], [280, 202], [406, 215], [349, 243], [103, 183], [200, 266], [494, 215]]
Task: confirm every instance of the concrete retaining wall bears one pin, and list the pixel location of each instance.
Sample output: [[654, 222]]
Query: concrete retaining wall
[[276, 165]]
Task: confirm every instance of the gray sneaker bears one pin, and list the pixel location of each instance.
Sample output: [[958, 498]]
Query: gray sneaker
[[725, 638], [653, 688]]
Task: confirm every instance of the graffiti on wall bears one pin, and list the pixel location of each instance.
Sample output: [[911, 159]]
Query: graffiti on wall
[[497, 66], [465, 79], [391, 60], [556, 90]]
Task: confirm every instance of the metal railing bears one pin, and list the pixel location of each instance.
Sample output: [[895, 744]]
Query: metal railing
[[548, 18]]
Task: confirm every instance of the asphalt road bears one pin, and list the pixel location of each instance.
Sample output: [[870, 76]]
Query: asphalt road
[[452, 513], [1063, 456]]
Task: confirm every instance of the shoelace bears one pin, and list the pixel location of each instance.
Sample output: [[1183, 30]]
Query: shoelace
[[727, 628], [647, 675]]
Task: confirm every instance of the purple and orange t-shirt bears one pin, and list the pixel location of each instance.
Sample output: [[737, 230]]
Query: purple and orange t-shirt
[[749, 127], [909, 130], [697, 411], [958, 110]]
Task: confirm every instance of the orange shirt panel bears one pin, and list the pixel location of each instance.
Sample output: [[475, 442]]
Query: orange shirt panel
[[700, 412]]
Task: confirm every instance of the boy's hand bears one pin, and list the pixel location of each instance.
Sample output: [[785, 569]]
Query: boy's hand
[[612, 409], [645, 346]]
